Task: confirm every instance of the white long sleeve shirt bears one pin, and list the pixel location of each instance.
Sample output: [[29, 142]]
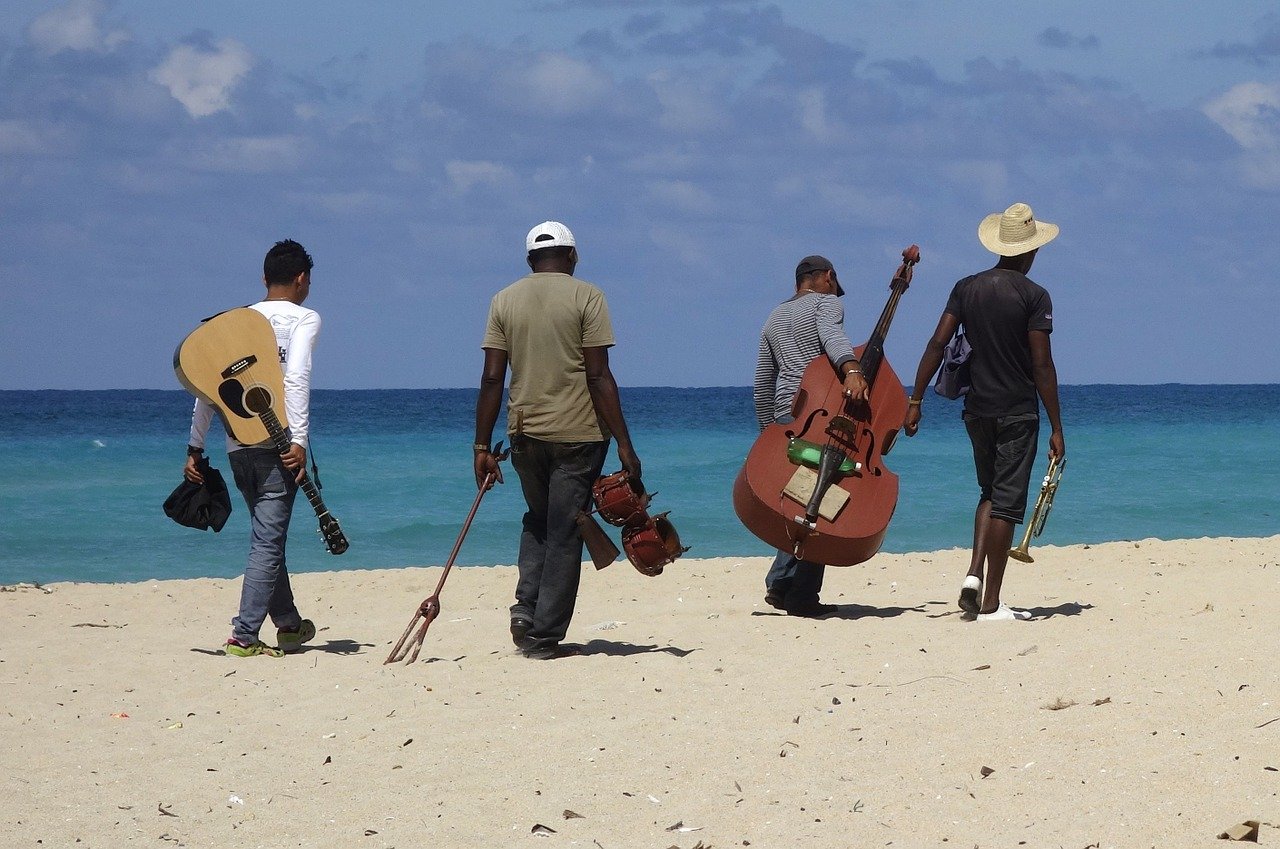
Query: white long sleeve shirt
[[296, 329]]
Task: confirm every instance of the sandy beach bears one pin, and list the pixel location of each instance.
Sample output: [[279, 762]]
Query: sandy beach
[[1140, 708]]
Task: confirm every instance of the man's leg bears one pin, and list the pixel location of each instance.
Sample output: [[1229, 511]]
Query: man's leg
[[532, 461], [269, 492], [777, 583], [1015, 451], [576, 468], [971, 590], [995, 549], [805, 586]]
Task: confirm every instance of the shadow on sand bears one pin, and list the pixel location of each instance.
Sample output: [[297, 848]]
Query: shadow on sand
[[852, 611], [616, 649]]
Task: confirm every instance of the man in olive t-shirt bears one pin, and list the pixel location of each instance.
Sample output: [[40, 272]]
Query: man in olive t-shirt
[[553, 330]]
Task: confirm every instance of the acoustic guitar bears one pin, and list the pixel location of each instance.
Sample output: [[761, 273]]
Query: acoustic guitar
[[232, 362]]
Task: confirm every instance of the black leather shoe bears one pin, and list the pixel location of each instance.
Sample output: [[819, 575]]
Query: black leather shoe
[[815, 610], [520, 631], [552, 652]]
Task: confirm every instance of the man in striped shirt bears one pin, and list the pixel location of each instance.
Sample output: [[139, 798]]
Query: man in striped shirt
[[809, 324]]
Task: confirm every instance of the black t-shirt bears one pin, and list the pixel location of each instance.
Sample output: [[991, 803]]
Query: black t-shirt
[[998, 308]]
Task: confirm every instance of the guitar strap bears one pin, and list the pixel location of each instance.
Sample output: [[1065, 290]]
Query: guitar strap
[[216, 314], [315, 472]]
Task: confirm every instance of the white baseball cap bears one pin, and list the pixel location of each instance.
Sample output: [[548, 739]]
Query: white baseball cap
[[548, 234]]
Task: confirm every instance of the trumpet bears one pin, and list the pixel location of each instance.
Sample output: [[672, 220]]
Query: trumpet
[[1044, 503]]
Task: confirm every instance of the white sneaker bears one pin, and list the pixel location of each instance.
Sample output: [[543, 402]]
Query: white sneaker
[[1003, 613], [970, 594]]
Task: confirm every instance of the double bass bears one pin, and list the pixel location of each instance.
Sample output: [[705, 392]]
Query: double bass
[[818, 486]]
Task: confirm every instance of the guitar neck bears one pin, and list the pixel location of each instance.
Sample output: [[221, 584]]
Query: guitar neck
[[281, 442]]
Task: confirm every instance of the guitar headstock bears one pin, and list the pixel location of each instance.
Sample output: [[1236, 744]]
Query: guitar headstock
[[331, 533]]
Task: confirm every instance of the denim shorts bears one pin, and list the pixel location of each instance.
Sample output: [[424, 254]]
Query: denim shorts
[[1004, 449]]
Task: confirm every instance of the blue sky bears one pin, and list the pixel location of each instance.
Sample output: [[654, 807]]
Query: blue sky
[[151, 151]]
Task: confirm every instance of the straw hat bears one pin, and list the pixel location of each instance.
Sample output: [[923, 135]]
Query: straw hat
[[1015, 231]]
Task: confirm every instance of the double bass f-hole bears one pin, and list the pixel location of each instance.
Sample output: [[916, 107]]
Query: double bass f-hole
[[808, 423]]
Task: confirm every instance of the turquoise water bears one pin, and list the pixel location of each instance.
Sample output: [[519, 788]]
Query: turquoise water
[[83, 475]]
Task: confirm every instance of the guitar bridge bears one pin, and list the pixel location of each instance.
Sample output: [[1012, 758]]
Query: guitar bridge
[[238, 366]]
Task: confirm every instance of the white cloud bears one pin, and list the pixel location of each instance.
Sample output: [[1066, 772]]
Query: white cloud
[[682, 195], [74, 27], [1250, 113], [812, 106], [348, 203], [464, 176], [202, 79], [18, 137], [690, 104], [251, 154], [555, 84]]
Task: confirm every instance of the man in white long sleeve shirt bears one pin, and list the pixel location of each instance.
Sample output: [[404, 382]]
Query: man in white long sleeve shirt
[[267, 479]]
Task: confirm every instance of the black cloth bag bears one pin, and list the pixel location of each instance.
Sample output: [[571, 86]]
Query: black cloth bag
[[200, 506]]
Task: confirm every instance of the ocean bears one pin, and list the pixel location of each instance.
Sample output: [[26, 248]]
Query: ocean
[[83, 475]]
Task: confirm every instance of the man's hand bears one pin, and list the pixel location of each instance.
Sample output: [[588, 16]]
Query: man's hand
[[295, 460], [912, 421], [630, 463], [855, 387], [486, 464], [191, 471], [1057, 445]]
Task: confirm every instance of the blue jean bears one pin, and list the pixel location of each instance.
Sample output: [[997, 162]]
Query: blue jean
[[556, 478], [269, 491], [797, 581]]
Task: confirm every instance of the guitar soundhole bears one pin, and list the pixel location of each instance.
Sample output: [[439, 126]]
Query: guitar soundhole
[[258, 400]]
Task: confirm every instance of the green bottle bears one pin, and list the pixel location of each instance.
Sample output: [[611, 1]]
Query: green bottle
[[805, 453]]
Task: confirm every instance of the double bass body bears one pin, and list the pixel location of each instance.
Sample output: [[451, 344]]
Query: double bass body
[[818, 486]]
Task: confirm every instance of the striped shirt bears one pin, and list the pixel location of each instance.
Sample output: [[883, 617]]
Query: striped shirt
[[798, 330]]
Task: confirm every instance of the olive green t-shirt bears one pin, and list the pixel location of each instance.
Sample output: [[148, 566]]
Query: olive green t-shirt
[[543, 321]]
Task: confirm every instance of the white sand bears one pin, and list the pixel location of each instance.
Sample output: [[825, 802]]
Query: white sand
[[695, 706]]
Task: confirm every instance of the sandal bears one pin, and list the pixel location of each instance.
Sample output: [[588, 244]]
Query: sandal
[[291, 641], [234, 648]]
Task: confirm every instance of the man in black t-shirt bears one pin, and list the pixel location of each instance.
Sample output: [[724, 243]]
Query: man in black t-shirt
[[1007, 319]]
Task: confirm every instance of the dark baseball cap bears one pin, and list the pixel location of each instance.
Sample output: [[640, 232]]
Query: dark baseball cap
[[810, 264]]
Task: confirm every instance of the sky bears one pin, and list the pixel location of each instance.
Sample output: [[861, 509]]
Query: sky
[[151, 152]]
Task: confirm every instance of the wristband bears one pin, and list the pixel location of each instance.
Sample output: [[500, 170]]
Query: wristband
[[480, 446], [193, 451], [914, 402]]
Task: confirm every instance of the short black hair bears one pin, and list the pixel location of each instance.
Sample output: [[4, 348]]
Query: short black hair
[[557, 252], [285, 261]]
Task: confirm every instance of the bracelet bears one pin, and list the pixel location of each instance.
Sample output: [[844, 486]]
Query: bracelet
[[914, 402], [480, 446], [193, 451]]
